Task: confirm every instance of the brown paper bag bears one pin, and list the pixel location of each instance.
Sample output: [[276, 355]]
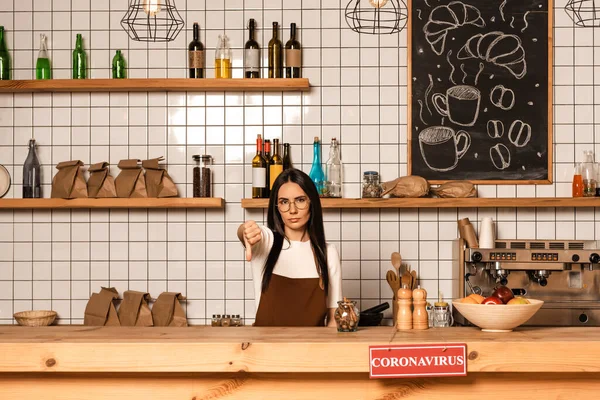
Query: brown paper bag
[[407, 186], [455, 189], [101, 184], [158, 181], [130, 183], [167, 310], [100, 309], [69, 183], [134, 310]]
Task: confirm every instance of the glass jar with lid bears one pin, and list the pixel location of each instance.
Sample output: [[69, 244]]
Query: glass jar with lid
[[202, 176], [442, 315], [371, 187], [346, 316]]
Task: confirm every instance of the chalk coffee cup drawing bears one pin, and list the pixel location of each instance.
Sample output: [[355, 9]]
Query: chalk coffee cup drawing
[[460, 104], [439, 147]]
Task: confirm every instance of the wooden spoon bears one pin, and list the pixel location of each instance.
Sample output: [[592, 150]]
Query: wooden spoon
[[414, 279], [406, 279], [393, 281], [397, 262]]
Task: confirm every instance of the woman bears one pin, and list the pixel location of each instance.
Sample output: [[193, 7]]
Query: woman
[[297, 276]]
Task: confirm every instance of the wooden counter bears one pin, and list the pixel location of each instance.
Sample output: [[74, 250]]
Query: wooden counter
[[239, 363]]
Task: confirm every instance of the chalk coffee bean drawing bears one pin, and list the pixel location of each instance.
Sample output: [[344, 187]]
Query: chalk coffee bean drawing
[[519, 133], [495, 129], [500, 156], [502, 97], [444, 19]]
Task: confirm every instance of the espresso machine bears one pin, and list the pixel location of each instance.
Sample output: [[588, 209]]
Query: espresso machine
[[564, 274]]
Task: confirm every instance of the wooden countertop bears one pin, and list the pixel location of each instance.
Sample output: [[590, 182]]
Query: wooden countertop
[[208, 349]]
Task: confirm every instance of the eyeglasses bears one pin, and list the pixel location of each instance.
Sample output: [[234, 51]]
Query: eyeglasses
[[284, 205]]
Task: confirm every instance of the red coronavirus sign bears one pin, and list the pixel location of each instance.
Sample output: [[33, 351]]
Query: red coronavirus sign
[[409, 361]]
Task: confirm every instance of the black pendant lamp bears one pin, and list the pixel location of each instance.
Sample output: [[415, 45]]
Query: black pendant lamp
[[152, 21], [376, 17]]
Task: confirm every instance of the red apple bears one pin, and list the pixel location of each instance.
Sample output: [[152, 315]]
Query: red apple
[[503, 293], [492, 300]]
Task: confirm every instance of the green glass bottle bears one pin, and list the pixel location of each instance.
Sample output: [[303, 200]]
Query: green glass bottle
[[4, 58], [119, 68], [42, 66], [79, 60]]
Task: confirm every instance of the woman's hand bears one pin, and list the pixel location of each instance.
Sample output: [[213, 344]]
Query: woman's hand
[[251, 234]]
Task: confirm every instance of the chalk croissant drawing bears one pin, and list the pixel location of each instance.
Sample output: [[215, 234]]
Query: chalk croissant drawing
[[499, 48], [502, 97], [495, 129], [519, 133], [500, 156], [445, 18]]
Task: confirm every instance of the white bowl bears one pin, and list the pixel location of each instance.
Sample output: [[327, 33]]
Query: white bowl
[[496, 317]]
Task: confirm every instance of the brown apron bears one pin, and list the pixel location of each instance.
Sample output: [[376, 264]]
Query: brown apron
[[292, 302]]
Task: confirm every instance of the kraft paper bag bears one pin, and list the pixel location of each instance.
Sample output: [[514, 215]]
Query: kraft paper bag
[[167, 310], [100, 309], [158, 181], [101, 184], [69, 183], [131, 182], [134, 310]]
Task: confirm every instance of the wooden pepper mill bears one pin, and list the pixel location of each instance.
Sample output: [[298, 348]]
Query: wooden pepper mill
[[404, 320], [420, 317]]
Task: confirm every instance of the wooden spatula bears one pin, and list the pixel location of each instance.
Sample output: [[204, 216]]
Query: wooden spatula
[[393, 281]]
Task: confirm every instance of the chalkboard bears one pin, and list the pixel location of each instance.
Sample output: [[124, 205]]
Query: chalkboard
[[480, 84]]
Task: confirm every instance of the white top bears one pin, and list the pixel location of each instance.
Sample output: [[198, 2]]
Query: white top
[[296, 260]]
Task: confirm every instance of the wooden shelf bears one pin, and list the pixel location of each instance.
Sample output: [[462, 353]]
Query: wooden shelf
[[155, 85], [45, 204], [445, 203]]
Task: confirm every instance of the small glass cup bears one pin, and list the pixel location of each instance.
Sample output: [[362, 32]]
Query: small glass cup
[[442, 315], [347, 316]]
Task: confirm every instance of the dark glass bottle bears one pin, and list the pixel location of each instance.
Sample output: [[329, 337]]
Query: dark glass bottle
[[251, 53], [79, 59], [275, 54], [31, 174], [269, 158], [259, 171], [196, 54], [287, 160], [293, 55], [119, 68], [4, 58]]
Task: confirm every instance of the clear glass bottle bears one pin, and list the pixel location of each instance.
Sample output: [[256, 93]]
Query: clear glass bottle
[[223, 58], [4, 58], [316, 172], [79, 59], [588, 174], [334, 170], [119, 67], [31, 174], [42, 66], [371, 187]]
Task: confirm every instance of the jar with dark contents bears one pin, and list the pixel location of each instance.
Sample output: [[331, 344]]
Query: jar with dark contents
[[202, 175], [346, 316], [371, 187]]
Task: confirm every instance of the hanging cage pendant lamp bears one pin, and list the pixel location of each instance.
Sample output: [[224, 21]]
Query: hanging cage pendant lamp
[[376, 17], [152, 21]]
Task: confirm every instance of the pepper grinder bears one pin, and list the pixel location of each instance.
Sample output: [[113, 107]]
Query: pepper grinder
[[404, 319], [420, 317]]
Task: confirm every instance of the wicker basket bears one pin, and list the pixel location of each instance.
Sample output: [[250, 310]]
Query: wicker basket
[[35, 317]]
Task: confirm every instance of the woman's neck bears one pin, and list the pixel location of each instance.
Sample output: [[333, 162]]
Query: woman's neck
[[296, 235]]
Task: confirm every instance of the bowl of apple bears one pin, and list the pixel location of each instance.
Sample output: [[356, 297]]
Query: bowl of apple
[[500, 312]]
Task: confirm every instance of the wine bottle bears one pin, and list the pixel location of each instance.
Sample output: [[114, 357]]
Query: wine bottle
[[334, 170], [269, 159], [4, 58], [196, 54], [275, 54], [276, 166], [79, 59], [42, 65], [293, 55], [119, 68], [252, 53], [287, 160], [316, 172], [259, 171], [223, 58], [31, 174]]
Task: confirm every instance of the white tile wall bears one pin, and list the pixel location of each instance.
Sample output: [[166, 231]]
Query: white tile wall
[[55, 259]]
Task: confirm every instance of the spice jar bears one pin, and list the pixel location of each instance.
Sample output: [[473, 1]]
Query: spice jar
[[202, 173], [236, 320], [346, 316], [371, 187], [216, 320], [226, 320]]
